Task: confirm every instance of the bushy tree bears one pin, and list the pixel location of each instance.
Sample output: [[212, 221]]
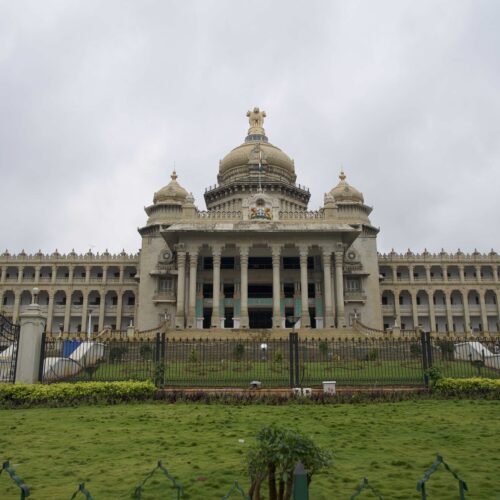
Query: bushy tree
[[274, 458]]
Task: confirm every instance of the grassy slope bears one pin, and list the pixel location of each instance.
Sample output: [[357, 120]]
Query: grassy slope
[[112, 448]]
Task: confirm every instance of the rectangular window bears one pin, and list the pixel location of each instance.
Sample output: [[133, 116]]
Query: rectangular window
[[311, 290], [310, 262], [165, 284], [131, 301], [353, 285], [291, 263], [260, 263], [208, 263], [228, 290]]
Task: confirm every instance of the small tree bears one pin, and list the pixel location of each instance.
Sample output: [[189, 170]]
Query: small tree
[[274, 458], [323, 348], [116, 353], [146, 352], [447, 348], [193, 356]]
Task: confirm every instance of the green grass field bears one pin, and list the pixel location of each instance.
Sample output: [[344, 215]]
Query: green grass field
[[229, 373], [112, 448]]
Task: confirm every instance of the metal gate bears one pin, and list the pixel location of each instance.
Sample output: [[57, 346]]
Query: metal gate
[[9, 342]]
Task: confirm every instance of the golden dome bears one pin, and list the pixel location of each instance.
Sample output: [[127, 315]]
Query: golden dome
[[172, 193], [345, 192], [251, 152], [242, 162]]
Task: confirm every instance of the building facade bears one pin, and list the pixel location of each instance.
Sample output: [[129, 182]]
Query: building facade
[[257, 258]]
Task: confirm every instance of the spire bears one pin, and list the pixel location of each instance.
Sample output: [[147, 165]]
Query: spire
[[174, 175]]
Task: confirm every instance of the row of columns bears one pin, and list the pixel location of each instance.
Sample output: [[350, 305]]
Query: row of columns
[[67, 311], [276, 268], [449, 311], [36, 278], [444, 271]]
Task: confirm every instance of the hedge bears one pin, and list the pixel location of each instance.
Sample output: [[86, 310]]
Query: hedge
[[485, 387], [64, 394]]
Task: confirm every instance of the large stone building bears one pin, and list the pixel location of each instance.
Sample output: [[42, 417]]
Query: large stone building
[[256, 258]]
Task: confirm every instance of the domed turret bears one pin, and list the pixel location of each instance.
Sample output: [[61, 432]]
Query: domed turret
[[173, 193], [344, 192]]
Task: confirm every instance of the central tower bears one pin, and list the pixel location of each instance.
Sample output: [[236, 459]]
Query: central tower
[[256, 165]]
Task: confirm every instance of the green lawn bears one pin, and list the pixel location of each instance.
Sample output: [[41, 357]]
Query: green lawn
[[227, 373], [112, 448]]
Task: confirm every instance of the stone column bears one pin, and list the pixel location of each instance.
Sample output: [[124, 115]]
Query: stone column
[[478, 274], [445, 273], [181, 278], [87, 274], [304, 316], [102, 305], [484, 316], [414, 309], [397, 311], [276, 257], [17, 305], [432, 318], [50, 312], [85, 311], [428, 273], [461, 273], [4, 274], [104, 274], [119, 308], [37, 274], [244, 251], [449, 313], [327, 278], [339, 276], [410, 272], [216, 256], [495, 274], [30, 342], [20, 275], [67, 311], [54, 274], [122, 272], [465, 300], [193, 265]]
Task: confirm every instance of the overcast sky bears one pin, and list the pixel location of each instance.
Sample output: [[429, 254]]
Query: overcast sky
[[98, 99]]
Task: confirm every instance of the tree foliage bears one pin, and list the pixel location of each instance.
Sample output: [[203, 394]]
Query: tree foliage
[[274, 458]]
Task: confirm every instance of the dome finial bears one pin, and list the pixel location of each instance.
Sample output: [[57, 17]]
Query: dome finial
[[256, 121], [342, 175], [174, 175]]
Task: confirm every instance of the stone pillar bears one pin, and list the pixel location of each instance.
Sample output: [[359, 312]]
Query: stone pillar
[[244, 251], [428, 273], [465, 300], [54, 274], [495, 274], [432, 317], [104, 274], [327, 278], [102, 313], [30, 342], [119, 308], [87, 274], [449, 313], [339, 276], [410, 272], [216, 256], [478, 274], [181, 278], [193, 266], [122, 272], [414, 309], [20, 275], [461, 273], [445, 273], [4, 274], [304, 316], [17, 305], [37, 274], [50, 312], [484, 316], [85, 311], [276, 257], [67, 311]]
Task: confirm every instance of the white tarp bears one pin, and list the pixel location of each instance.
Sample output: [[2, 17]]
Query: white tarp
[[474, 351]]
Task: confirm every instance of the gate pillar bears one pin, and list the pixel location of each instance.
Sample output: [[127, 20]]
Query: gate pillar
[[33, 323]]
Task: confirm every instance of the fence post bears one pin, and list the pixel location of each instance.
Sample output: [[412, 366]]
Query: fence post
[[30, 339], [158, 347], [42, 357], [293, 340], [425, 359], [300, 488]]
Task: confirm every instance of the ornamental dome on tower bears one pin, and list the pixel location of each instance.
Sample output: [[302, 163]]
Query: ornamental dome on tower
[[344, 192], [256, 155], [173, 193]]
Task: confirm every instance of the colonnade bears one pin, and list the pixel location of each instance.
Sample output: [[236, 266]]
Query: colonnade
[[190, 254]]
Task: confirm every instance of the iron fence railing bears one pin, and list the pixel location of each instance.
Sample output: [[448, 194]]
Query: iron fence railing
[[273, 362]]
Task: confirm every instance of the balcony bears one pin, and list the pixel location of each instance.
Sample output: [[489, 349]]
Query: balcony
[[354, 297]]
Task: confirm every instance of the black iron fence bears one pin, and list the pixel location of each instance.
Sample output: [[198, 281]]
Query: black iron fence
[[270, 363], [9, 341]]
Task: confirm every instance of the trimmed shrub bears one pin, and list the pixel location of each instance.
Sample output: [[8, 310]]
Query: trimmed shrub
[[465, 387], [64, 394]]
